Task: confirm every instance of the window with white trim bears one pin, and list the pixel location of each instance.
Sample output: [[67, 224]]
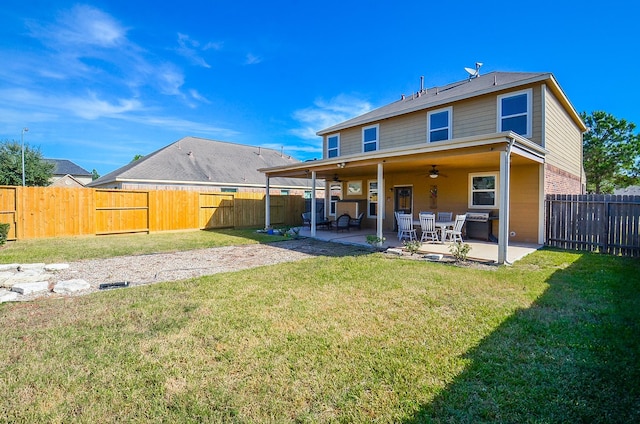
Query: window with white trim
[[483, 190], [335, 190], [514, 112], [372, 198], [439, 125], [370, 138], [333, 145]]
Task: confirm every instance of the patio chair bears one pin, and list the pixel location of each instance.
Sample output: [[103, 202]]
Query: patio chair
[[321, 221], [405, 227], [342, 223], [444, 216], [428, 226], [357, 222], [455, 234]]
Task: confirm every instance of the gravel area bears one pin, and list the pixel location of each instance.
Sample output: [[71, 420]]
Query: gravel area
[[153, 268]]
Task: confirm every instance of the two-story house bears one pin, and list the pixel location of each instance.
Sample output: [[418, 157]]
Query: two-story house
[[498, 142]]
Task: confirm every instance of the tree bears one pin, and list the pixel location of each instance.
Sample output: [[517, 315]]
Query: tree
[[37, 171], [136, 157], [94, 175], [611, 152]]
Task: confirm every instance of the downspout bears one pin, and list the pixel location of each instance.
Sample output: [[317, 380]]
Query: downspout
[[267, 207], [503, 214], [313, 203]]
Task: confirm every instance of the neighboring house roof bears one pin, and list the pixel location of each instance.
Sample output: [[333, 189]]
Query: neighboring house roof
[[67, 181], [461, 90], [629, 191], [66, 167], [199, 161]]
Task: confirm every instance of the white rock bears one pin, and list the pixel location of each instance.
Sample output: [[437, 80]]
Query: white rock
[[28, 276], [8, 267], [25, 267], [28, 288], [6, 279], [71, 286], [56, 267], [396, 251], [7, 296]]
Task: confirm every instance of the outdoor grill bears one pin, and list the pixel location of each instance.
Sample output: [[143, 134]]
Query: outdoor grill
[[478, 225]]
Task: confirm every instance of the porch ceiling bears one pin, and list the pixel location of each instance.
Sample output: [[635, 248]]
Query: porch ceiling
[[458, 154]]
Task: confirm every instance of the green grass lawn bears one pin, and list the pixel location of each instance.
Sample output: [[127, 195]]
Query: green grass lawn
[[555, 338]]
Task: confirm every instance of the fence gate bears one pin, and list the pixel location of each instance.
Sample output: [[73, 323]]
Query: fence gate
[[8, 210], [216, 211]]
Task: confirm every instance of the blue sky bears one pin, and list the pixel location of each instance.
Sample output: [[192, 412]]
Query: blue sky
[[100, 82]]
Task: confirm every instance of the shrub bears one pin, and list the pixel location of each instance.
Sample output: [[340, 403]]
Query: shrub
[[459, 251], [4, 232], [412, 246], [375, 241]]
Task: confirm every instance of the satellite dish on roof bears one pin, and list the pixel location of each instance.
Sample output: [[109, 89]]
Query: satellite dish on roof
[[474, 73]]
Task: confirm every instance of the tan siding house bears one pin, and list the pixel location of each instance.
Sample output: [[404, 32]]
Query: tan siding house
[[495, 143]]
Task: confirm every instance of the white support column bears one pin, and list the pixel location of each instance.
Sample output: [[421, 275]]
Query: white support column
[[267, 207], [503, 215], [381, 200], [313, 203]]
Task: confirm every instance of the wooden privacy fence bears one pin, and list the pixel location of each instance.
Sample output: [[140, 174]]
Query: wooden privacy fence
[[39, 212], [606, 223]]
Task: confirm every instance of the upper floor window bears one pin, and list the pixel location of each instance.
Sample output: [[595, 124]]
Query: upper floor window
[[370, 138], [333, 145], [439, 125], [483, 191], [514, 113]]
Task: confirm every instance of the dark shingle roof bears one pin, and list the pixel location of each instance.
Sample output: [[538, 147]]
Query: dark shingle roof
[[66, 167], [199, 160], [439, 96]]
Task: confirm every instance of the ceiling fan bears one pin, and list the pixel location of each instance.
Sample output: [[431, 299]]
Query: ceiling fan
[[336, 179], [435, 173]]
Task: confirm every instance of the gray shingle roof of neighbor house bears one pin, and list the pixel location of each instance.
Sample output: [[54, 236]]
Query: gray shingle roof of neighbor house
[[440, 96], [199, 161], [66, 167]]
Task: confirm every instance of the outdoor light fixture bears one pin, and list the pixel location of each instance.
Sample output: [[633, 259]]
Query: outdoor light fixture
[[341, 165], [22, 139]]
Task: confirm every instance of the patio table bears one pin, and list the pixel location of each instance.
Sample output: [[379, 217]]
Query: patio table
[[442, 225]]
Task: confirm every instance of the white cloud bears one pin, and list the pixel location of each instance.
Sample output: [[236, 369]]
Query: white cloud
[[252, 59], [324, 114], [92, 107], [170, 79], [197, 96], [83, 25], [188, 48]]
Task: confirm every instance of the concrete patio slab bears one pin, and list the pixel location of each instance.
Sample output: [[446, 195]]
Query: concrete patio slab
[[480, 250]]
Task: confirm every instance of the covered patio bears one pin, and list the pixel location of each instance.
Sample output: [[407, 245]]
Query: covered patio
[[375, 178], [482, 251]]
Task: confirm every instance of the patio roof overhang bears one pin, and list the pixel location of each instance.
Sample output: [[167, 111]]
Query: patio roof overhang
[[458, 153]]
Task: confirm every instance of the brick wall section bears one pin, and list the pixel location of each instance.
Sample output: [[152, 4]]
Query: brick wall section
[[558, 181]]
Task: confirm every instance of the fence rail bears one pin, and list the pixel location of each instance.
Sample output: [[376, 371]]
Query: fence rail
[[594, 222], [40, 212]]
